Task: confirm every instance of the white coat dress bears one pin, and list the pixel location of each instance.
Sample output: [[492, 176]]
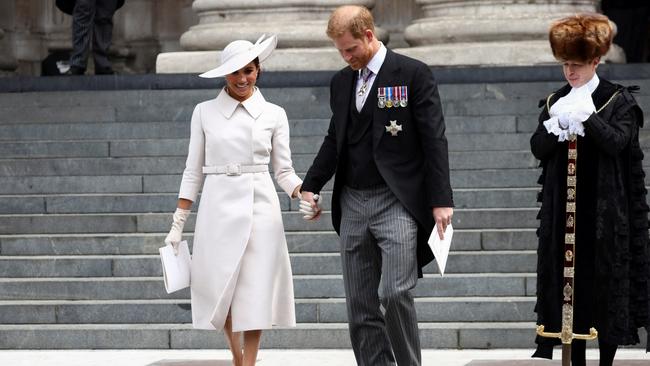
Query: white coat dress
[[240, 259]]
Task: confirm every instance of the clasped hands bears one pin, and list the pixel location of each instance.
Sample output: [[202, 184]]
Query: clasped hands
[[311, 211], [309, 206], [568, 114]]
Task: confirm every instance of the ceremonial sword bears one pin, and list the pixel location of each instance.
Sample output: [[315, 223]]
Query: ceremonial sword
[[566, 335]]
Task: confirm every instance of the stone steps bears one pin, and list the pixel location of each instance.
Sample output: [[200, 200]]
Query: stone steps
[[432, 309], [137, 105], [147, 97], [508, 132], [173, 147], [458, 142], [88, 182], [178, 147], [164, 129], [507, 218], [502, 161], [302, 264], [169, 183], [163, 202], [305, 335], [305, 286], [297, 242], [109, 107], [468, 160]]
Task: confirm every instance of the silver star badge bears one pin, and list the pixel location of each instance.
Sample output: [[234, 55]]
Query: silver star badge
[[394, 128]]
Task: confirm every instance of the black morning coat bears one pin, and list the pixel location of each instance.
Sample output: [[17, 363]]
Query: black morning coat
[[612, 253], [67, 6], [414, 164]]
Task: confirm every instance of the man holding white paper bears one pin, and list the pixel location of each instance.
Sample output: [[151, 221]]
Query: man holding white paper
[[386, 143], [440, 246]]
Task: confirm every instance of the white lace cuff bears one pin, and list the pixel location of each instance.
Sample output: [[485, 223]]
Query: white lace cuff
[[576, 128], [553, 126]]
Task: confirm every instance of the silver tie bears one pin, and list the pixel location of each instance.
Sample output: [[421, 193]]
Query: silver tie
[[364, 75]]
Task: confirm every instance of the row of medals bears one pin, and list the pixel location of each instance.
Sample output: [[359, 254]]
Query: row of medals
[[399, 101], [391, 103]]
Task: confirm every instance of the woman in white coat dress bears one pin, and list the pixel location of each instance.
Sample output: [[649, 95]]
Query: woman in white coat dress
[[240, 276]]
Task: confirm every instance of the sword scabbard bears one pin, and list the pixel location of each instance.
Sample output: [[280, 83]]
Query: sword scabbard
[[566, 335]]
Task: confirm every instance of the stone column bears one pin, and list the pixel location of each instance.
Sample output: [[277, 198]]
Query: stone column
[[173, 18], [8, 61], [40, 28], [134, 45], [300, 26], [394, 16], [55, 27], [488, 32], [142, 28]]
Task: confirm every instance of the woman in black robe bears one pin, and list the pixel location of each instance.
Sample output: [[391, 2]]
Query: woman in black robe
[[612, 255]]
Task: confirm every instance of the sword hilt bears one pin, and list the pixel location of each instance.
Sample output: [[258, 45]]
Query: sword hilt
[[567, 338]]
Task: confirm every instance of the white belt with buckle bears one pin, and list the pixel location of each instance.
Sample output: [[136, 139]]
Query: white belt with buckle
[[235, 169]]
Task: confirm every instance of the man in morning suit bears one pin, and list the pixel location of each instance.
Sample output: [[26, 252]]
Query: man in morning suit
[[386, 143]]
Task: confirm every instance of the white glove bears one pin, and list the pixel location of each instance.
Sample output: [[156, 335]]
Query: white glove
[[576, 128], [582, 114], [306, 209], [568, 113], [563, 119], [553, 126], [584, 106], [174, 236]]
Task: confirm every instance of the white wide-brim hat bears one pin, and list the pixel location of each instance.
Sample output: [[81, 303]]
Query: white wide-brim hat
[[240, 53]]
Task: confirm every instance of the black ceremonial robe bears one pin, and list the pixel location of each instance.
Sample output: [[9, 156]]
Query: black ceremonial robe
[[612, 247]]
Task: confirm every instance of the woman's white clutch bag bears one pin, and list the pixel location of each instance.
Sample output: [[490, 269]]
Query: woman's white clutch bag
[[176, 268]]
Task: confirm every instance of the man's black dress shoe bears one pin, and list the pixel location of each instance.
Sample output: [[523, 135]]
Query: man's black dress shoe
[[104, 71]]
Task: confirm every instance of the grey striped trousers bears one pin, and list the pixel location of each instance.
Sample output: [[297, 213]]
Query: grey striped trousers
[[378, 253], [92, 21]]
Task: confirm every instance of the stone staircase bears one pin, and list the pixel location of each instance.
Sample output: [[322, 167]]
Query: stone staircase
[[88, 182]]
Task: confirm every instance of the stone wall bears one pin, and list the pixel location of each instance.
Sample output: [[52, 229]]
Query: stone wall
[[30, 30], [184, 35]]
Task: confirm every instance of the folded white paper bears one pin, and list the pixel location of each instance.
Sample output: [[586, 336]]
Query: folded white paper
[[440, 248], [176, 268]]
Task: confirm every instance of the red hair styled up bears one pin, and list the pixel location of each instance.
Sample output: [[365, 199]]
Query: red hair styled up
[[581, 37]]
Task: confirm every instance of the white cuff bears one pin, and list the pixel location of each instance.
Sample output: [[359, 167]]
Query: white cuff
[[576, 128], [553, 126]]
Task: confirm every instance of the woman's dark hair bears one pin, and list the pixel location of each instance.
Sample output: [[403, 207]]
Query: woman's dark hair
[[259, 69]]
